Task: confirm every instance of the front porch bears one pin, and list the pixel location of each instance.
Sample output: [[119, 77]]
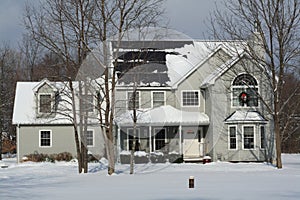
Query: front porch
[[165, 143]]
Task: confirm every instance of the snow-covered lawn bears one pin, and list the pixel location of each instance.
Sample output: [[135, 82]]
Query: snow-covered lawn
[[213, 181]]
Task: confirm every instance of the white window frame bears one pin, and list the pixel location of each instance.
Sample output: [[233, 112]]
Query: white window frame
[[154, 136], [194, 106], [138, 135], [254, 137], [40, 138], [236, 139], [152, 97], [261, 138], [93, 135], [39, 103], [127, 99], [243, 87]]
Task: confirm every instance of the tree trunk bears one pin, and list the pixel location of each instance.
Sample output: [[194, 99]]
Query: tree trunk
[[77, 143], [278, 142], [110, 152]]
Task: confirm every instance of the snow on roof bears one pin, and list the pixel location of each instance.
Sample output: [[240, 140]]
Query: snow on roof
[[245, 116], [181, 57], [164, 115], [25, 106]]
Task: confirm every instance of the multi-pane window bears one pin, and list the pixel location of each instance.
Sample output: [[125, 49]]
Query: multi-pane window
[[90, 138], [262, 137], [133, 100], [45, 138], [158, 99], [248, 132], [45, 103], [190, 98], [160, 138], [244, 91], [88, 103], [232, 137]]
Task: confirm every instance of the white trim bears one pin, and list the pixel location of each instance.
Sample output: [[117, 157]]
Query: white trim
[[152, 99], [52, 102], [119, 144], [180, 139], [243, 87], [93, 133], [127, 99], [125, 87], [150, 139], [236, 139], [194, 106], [254, 137], [260, 126], [220, 47], [41, 138], [41, 83]]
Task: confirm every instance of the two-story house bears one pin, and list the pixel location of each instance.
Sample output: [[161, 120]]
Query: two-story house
[[192, 98]]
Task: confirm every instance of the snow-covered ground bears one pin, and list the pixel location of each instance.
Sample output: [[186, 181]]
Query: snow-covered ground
[[213, 181]]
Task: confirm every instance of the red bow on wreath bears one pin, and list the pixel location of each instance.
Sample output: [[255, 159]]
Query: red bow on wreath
[[244, 97]]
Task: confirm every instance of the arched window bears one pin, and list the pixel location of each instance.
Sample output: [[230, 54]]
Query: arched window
[[244, 91]]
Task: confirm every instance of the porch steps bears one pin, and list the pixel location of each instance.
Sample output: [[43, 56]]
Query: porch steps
[[193, 160]]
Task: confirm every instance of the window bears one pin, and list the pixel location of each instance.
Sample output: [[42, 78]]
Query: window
[[90, 138], [190, 98], [262, 137], [159, 138], [88, 103], [158, 99], [244, 91], [131, 138], [45, 138], [248, 132], [232, 137], [133, 100], [45, 105]]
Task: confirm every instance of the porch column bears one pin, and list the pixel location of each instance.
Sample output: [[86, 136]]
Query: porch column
[[119, 144], [150, 138], [180, 139]]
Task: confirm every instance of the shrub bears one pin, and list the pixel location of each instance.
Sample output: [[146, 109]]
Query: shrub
[[40, 157], [157, 157], [175, 158]]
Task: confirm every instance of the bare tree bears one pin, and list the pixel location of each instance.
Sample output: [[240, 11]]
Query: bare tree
[[289, 118], [63, 27], [9, 62], [72, 28], [276, 46], [117, 18]]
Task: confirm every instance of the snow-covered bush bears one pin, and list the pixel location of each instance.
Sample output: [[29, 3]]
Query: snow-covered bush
[[157, 157]]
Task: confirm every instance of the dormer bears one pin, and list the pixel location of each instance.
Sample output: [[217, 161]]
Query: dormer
[[45, 94]]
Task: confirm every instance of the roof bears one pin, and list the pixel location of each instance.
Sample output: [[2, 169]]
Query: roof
[[175, 60], [25, 104], [164, 115], [243, 116]]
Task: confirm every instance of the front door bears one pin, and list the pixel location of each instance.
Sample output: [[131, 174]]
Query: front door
[[192, 142]]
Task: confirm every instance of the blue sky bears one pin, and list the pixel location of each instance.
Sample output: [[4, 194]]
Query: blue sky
[[187, 16]]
